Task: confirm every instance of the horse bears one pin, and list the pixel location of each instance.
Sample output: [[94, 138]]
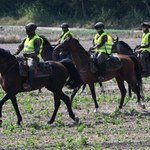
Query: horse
[[47, 54], [12, 83], [129, 71], [74, 81]]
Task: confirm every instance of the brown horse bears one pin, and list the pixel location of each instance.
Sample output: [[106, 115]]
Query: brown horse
[[12, 83], [129, 71]]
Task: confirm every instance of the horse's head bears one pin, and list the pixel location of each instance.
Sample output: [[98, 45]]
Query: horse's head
[[64, 46], [5, 54], [121, 47]]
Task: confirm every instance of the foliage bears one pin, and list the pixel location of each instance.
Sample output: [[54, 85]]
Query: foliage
[[114, 13]]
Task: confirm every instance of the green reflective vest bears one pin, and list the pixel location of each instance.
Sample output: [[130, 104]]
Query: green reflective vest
[[145, 42], [64, 35], [107, 47], [29, 45]]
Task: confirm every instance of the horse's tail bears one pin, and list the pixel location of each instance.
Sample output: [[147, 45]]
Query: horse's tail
[[74, 78], [138, 73]]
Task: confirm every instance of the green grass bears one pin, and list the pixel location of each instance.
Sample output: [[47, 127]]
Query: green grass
[[108, 129]]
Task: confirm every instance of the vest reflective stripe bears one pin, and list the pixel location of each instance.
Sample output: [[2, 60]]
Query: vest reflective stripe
[[29, 45], [64, 36], [107, 47], [145, 42]]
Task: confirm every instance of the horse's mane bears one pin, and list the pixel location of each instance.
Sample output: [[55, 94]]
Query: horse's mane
[[125, 45], [81, 47], [5, 53], [46, 41]]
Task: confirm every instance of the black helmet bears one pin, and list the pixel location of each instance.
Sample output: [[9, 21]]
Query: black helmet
[[64, 25], [99, 25], [31, 26], [145, 24]]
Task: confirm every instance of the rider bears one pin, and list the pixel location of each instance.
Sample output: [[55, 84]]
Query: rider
[[32, 47], [145, 46], [102, 46], [65, 35]]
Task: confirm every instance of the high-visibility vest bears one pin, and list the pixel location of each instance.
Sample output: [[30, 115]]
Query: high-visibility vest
[[64, 35], [29, 45], [145, 42], [107, 47]]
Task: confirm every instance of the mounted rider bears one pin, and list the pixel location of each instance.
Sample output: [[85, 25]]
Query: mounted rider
[[65, 35], [31, 47], [102, 46], [144, 47]]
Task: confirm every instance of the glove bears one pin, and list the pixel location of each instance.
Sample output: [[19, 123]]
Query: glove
[[90, 49], [138, 47]]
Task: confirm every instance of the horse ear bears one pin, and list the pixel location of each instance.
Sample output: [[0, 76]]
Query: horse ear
[[117, 39]]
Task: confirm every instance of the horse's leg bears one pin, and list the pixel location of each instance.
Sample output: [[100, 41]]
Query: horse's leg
[[56, 106], [129, 90], [14, 102], [92, 89], [122, 89], [102, 88], [66, 100], [74, 93], [5, 98], [83, 88], [137, 90]]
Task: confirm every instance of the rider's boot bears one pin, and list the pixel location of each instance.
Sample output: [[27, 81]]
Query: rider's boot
[[28, 85]]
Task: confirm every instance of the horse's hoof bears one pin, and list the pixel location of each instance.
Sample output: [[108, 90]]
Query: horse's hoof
[[19, 123], [142, 105], [76, 120], [50, 122], [96, 110], [1, 123], [120, 107]]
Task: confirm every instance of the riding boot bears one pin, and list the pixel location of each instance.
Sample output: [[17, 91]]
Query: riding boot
[[102, 72], [28, 85]]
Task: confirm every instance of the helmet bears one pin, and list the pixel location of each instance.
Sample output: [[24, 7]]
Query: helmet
[[31, 26], [64, 25], [99, 25], [145, 24]]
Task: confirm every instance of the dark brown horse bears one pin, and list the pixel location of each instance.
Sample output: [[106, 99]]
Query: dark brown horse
[[12, 83], [81, 59], [74, 82]]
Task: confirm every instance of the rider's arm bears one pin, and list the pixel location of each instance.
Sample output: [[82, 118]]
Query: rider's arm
[[104, 39], [37, 44], [20, 47]]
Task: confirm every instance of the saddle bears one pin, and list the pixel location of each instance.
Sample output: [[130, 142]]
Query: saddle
[[112, 63], [43, 69]]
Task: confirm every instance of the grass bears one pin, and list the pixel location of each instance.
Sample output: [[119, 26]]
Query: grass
[[108, 129]]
